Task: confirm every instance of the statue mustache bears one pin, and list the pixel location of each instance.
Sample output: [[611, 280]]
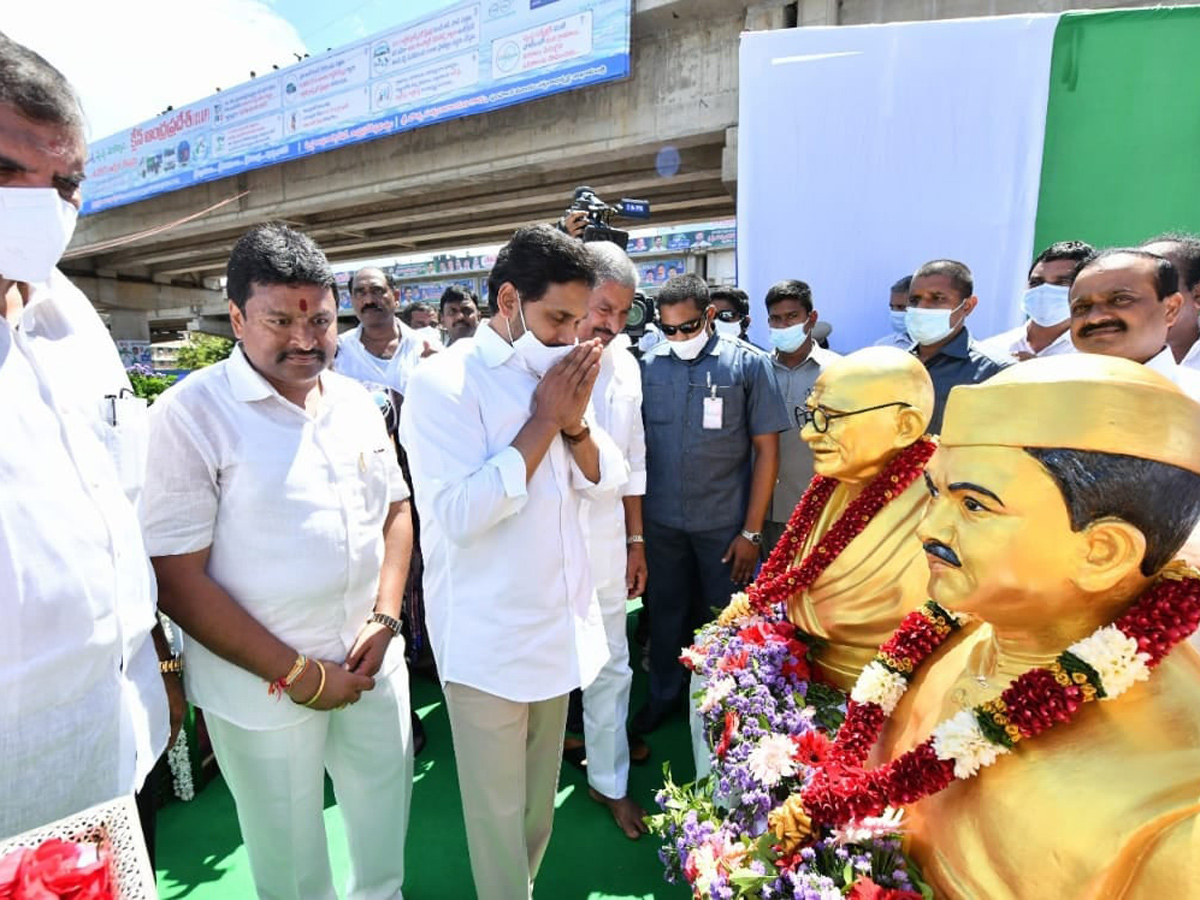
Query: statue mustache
[[942, 552]]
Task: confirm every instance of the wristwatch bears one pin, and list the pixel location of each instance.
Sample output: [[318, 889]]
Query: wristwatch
[[391, 623], [578, 437], [754, 537]]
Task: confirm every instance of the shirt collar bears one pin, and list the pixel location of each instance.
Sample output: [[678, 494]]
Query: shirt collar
[[493, 349], [619, 344], [1164, 364], [960, 347], [1192, 357], [817, 355], [246, 383]]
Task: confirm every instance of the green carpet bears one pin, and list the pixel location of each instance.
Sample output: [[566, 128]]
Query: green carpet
[[200, 853]]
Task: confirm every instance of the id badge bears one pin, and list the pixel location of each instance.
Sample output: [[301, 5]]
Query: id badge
[[714, 408]]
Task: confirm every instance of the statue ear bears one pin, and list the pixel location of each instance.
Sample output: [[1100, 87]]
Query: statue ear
[[1113, 551], [910, 425]]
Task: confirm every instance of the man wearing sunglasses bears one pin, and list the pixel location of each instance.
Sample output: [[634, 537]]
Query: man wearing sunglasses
[[713, 413]]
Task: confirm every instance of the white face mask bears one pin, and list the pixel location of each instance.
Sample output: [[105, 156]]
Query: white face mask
[[691, 348], [729, 329], [36, 225], [928, 326], [899, 319], [537, 357], [790, 339], [1047, 304]]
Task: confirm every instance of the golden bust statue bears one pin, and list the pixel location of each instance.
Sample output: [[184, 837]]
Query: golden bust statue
[[867, 411], [1061, 490]]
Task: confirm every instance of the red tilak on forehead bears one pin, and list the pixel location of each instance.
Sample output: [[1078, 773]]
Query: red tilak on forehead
[[303, 306]]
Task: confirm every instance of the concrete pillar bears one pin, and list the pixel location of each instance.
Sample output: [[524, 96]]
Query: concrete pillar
[[767, 15], [817, 12], [129, 325], [729, 162]]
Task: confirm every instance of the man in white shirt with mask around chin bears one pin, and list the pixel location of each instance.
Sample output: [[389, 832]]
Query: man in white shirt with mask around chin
[[1046, 304], [503, 452], [83, 712]]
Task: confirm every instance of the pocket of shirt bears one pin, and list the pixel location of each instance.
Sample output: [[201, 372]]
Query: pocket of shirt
[[658, 405], [126, 432], [733, 406], [373, 479]]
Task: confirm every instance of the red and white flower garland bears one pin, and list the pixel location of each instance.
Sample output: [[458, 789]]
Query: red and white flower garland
[[1100, 667], [779, 580]]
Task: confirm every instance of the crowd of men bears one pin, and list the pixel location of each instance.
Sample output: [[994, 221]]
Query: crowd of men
[[527, 476]]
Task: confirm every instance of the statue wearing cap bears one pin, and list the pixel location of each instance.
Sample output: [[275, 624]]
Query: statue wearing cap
[[1061, 493], [850, 566]]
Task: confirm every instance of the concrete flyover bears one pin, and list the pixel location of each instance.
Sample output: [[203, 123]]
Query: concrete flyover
[[465, 182], [474, 180]]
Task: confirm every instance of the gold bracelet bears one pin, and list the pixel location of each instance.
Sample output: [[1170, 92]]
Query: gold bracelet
[[172, 666], [320, 688]]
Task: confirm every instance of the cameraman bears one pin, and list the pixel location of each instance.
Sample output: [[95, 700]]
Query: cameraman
[[573, 222]]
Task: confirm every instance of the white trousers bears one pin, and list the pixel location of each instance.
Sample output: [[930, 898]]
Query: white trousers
[[606, 706], [277, 779], [507, 755]]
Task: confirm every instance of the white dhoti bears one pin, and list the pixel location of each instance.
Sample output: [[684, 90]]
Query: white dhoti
[[606, 705]]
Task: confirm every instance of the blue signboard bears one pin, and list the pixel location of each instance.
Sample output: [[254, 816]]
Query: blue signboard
[[471, 58]]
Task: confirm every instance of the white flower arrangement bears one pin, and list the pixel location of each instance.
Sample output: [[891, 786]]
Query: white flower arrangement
[[717, 691], [181, 768], [879, 685], [862, 831], [692, 658], [772, 759], [1115, 657], [960, 738]]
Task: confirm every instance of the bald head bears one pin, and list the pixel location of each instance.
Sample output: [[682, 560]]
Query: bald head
[[880, 375], [875, 402]]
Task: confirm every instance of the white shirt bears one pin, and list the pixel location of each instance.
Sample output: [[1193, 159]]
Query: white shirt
[[509, 599], [891, 339], [1187, 380], [83, 713], [617, 406], [356, 361], [291, 504], [1191, 359], [1007, 344]]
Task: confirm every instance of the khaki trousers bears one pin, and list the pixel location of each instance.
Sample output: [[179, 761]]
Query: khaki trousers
[[508, 755]]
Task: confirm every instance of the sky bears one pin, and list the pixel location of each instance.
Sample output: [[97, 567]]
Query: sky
[[130, 59]]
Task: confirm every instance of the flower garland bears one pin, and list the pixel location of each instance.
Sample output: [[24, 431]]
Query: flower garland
[[1100, 667], [778, 580]]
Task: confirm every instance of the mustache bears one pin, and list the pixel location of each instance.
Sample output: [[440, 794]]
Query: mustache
[[1096, 326], [371, 304], [318, 355], [942, 552]]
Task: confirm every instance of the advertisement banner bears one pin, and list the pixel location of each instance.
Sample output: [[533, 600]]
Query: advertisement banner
[[471, 58]]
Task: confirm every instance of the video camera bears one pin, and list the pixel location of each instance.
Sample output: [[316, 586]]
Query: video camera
[[641, 315], [600, 214]]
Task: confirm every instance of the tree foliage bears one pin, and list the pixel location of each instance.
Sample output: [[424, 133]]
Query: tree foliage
[[203, 350]]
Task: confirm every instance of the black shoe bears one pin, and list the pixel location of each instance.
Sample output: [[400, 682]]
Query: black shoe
[[418, 735], [651, 716]]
